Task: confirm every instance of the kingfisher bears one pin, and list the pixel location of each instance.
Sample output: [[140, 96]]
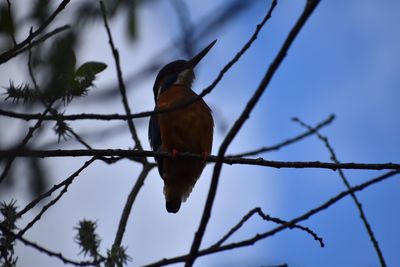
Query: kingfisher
[[189, 129]]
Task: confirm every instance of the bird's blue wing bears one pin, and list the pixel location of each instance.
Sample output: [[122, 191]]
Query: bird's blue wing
[[155, 140]]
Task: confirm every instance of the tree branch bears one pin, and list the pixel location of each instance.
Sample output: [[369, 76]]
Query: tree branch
[[292, 140], [308, 10], [72, 117], [23, 144], [227, 160], [66, 183], [182, 11], [204, 26], [4, 57], [40, 40], [216, 81], [45, 250], [265, 217], [363, 217], [122, 88], [129, 203], [10, 15], [258, 237]]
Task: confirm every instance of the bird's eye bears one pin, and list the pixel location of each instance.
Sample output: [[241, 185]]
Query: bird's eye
[[165, 83], [169, 80]]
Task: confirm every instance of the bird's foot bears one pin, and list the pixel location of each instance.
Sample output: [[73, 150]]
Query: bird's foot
[[174, 153], [205, 156]]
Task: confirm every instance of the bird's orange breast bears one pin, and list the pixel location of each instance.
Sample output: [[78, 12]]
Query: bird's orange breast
[[189, 129]]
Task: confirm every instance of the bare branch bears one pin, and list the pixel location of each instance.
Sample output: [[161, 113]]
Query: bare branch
[[10, 15], [129, 203], [23, 144], [182, 12], [121, 81], [258, 237], [66, 183], [265, 217], [54, 188], [227, 160], [45, 250], [83, 116], [206, 25], [363, 217], [41, 39], [216, 81], [308, 10], [286, 142], [16, 49]]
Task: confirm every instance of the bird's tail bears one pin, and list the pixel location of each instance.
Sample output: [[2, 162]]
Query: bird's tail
[[173, 205], [176, 193]]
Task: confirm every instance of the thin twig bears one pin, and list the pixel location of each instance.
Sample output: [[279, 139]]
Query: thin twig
[[66, 183], [205, 26], [138, 146], [358, 204], [72, 117], [10, 15], [183, 14], [54, 112], [71, 178], [122, 88], [129, 203], [308, 10], [286, 142], [265, 217], [312, 212], [107, 160], [227, 160], [41, 39], [30, 67], [258, 237], [214, 83], [95, 136], [50, 253], [23, 144], [54, 188], [4, 57]]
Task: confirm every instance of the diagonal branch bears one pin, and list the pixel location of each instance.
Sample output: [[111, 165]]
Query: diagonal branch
[[182, 12], [41, 39], [10, 16], [122, 88], [288, 141], [129, 203], [204, 26], [4, 57], [45, 250], [66, 183], [308, 10], [217, 80], [22, 145], [138, 146], [358, 204], [54, 112], [265, 217], [258, 237]]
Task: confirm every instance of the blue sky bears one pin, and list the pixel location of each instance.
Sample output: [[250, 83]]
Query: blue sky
[[346, 61]]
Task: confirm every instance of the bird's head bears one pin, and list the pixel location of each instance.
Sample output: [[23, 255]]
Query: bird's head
[[178, 72]]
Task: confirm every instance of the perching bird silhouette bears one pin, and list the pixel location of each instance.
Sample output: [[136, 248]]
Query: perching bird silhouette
[[189, 129]]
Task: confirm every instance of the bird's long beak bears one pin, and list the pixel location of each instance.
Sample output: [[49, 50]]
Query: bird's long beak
[[196, 59]]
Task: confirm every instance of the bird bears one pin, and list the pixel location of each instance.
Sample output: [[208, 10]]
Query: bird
[[187, 129]]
